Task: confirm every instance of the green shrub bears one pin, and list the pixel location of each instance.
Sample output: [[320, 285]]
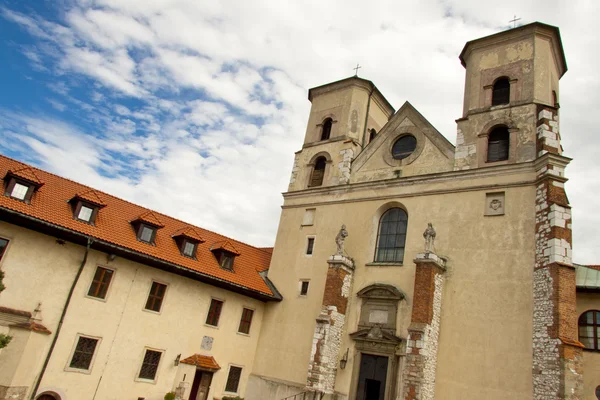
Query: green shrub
[[170, 396], [232, 398]]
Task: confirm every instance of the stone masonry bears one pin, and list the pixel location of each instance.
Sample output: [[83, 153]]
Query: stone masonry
[[327, 338], [423, 332], [344, 165], [557, 354]]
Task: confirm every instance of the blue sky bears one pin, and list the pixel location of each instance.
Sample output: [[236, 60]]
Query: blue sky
[[196, 108]]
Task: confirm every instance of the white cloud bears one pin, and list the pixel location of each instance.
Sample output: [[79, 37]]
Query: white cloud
[[219, 93]]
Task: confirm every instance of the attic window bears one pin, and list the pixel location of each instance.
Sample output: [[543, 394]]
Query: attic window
[[146, 226], [86, 205], [189, 248], [146, 233], [187, 240], [225, 259], [19, 191], [225, 253], [20, 188]]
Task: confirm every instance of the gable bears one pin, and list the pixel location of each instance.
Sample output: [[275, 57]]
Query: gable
[[433, 152]]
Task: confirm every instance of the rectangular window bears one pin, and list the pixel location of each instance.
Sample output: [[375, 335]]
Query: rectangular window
[[303, 288], [85, 213], [150, 365], [233, 380], [84, 353], [146, 234], [214, 312], [19, 191], [100, 283], [246, 321], [188, 249], [156, 296], [3, 246], [310, 245]]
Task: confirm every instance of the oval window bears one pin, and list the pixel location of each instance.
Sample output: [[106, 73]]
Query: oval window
[[404, 147]]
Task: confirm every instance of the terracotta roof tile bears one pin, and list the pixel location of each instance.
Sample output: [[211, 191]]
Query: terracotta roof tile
[[91, 196], [33, 326], [112, 225], [27, 173], [12, 311], [224, 245], [206, 362], [150, 218], [190, 233]]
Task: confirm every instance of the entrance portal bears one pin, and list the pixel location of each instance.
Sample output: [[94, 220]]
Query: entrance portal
[[201, 385], [371, 378]]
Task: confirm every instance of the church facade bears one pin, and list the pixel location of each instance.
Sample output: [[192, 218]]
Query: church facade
[[404, 267]]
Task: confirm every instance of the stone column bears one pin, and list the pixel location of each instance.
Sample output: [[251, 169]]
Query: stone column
[[327, 338], [423, 332], [557, 353]]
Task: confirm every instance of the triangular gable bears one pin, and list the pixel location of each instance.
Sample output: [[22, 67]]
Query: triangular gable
[[91, 196], [189, 233], [150, 218], [406, 119], [225, 245], [27, 174]]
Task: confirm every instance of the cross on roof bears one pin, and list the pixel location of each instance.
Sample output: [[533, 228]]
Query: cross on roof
[[514, 20], [356, 69]]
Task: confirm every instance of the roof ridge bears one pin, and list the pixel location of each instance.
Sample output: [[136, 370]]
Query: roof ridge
[[127, 201]]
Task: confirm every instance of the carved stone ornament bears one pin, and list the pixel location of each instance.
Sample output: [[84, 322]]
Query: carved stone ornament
[[375, 332], [339, 240], [495, 204], [429, 236]]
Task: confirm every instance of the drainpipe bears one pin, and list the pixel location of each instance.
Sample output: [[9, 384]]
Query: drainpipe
[[62, 318], [362, 145]]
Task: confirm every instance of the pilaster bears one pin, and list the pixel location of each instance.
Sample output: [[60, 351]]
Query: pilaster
[[423, 332]]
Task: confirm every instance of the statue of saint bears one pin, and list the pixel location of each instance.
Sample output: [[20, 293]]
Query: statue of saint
[[429, 236], [339, 240]]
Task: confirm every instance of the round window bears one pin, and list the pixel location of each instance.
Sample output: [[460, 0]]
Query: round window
[[404, 147]]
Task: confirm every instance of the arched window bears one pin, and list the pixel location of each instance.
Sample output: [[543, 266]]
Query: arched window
[[501, 92], [391, 236], [372, 134], [326, 130], [498, 143], [316, 179], [589, 329]]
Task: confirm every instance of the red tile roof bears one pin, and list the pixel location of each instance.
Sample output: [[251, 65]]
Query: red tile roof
[[91, 196], [25, 172], [113, 225], [206, 362], [190, 233], [225, 245], [33, 326]]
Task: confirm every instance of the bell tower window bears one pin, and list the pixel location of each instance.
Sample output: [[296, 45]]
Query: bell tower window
[[501, 92], [372, 134], [498, 144], [316, 179], [326, 130]]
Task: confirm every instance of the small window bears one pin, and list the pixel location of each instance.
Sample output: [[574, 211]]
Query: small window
[[246, 321], [318, 172], [84, 353], [304, 288], [150, 365], [3, 246], [326, 130], [391, 236], [19, 191], [225, 260], [189, 249], [589, 330], [156, 296], [310, 245], [501, 92], [100, 283], [146, 233], [498, 144], [214, 312], [233, 379], [85, 213], [372, 134], [404, 147]]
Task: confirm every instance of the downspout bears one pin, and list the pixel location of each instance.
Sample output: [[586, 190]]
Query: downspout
[[62, 318], [362, 145]]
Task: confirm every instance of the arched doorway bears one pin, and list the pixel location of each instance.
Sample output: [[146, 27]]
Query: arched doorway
[[48, 396]]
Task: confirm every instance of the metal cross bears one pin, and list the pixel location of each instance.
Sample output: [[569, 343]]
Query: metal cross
[[356, 69], [514, 20]]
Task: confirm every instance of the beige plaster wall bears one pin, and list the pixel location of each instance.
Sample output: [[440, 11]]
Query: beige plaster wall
[[488, 289], [38, 269], [546, 72], [591, 359]]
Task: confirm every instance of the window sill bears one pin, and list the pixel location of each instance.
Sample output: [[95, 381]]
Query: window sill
[[243, 334], [142, 380], [96, 298], [212, 326], [385, 264], [79, 371], [152, 311]]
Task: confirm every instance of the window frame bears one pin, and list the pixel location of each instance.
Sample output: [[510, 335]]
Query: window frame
[[326, 127], [244, 309], [301, 285], [237, 391], [140, 229], [379, 226], [162, 301], [314, 169], [156, 373], [104, 299], [498, 90], [77, 209], [309, 247], [11, 185], [595, 324], [222, 256], [5, 248], [208, 313], [487, 153], [184, 243], [88, 371]]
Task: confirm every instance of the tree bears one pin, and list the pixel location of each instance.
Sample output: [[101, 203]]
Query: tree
[[4, 339]]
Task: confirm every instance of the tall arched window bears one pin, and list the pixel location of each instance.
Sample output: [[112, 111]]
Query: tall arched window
[[498, 144], [316, 179], [501, 91], [391, 236], [326, 130], [589, 329]]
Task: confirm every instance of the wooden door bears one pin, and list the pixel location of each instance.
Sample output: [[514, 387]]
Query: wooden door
[[204, 387]]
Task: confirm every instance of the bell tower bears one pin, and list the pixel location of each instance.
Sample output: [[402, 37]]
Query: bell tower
[[510, 77], [343, 117]]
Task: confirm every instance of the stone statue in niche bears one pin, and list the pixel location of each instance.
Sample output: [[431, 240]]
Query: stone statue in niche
[[339, 240], [354, 121], [429, 236]]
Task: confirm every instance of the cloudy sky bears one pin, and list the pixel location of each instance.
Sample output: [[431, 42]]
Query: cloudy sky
[[195, 108]]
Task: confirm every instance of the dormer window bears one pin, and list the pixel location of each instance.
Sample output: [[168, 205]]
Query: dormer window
[[225, 254], [19, 191], [146, 233], [146, 226], [86, 205], [189, 249], [187, 240], [20, 184]]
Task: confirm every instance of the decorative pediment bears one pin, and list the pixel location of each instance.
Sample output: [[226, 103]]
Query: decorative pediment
[[381, 291], [376, 338]]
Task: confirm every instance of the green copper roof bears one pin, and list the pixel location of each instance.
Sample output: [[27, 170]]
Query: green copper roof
[[588, 278]]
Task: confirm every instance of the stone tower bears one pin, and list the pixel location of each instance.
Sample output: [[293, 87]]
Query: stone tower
[[343, 117]]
